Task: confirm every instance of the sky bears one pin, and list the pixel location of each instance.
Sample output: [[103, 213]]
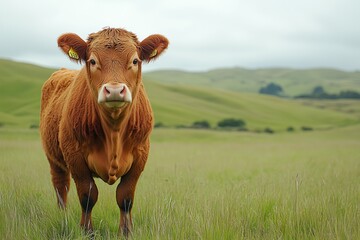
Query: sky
[[203, 35]]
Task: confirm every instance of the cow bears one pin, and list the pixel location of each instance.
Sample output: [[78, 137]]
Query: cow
[[96, 121]]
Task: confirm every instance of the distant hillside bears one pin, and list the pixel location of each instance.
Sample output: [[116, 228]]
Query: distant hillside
[[293, 81], [20, 86], [182, 105], [174, 104]]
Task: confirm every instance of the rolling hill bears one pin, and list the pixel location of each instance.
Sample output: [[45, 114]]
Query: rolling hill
[[293, 81], [20, 86], [174, 104]]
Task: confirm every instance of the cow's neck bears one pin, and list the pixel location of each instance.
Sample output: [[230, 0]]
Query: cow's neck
[[114, 120]]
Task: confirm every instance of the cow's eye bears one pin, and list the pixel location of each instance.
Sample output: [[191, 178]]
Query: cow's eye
[[92, 62], [135, 61]]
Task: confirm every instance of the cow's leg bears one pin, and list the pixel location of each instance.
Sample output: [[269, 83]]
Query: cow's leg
[[125, 199], [87, 193], [60, 177]]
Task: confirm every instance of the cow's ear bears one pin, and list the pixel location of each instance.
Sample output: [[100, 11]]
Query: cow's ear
[[152, 47], [73, 46]]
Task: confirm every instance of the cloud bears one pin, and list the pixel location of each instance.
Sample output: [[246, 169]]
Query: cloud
[[202, 34]]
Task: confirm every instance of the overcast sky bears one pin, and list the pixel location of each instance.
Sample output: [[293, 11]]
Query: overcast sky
[[203, 34]]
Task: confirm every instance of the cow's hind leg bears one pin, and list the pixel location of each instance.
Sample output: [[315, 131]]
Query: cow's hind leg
[[60, 177]]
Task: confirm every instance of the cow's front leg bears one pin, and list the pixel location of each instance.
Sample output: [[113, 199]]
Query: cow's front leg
[[125, 199], [88, 195]]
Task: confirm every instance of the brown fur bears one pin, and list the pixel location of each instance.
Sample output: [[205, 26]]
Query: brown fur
[[83, 138]]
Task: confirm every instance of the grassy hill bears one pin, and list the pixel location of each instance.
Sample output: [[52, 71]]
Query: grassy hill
[[174, 104], [293, 81], [180, 105], [20, 86]]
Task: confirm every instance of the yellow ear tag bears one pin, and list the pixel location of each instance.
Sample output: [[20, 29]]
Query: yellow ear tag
[[73, 54], [153, 54]]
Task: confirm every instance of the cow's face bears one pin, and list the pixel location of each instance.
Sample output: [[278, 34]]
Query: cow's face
[[113, 60]]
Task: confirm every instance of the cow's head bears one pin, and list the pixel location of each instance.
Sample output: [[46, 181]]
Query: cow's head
[[113, 60]]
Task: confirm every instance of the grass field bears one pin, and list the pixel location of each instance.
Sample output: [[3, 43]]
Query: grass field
[[200, 185]]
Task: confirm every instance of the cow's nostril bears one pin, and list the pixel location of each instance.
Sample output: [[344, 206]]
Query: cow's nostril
[[106, 90], [123, 91]]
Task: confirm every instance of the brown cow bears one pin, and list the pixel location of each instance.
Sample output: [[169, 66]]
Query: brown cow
[[96, 122]]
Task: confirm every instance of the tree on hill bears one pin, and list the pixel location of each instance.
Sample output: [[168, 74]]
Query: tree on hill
[[201, 124], [271, 89], [231, 123], [349, 94], [318, 90], [320, 93]]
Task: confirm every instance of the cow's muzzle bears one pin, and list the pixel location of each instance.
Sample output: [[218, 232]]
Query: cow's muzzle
[[114, 95]]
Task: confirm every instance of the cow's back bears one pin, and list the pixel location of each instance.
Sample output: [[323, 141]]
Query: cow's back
[[53, 98]]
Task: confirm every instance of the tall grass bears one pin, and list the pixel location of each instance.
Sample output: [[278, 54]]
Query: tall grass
[[200, 185]]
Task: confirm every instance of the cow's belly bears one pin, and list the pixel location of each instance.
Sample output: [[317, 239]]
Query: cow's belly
[[109, 167]]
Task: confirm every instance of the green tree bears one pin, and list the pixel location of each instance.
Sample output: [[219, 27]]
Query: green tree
[[201, 124], [271, 89], [231, 123], [318, 90]]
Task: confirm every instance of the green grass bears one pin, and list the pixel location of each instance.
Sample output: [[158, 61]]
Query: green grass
[[340, 105], [200, 185], [20, 86]]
